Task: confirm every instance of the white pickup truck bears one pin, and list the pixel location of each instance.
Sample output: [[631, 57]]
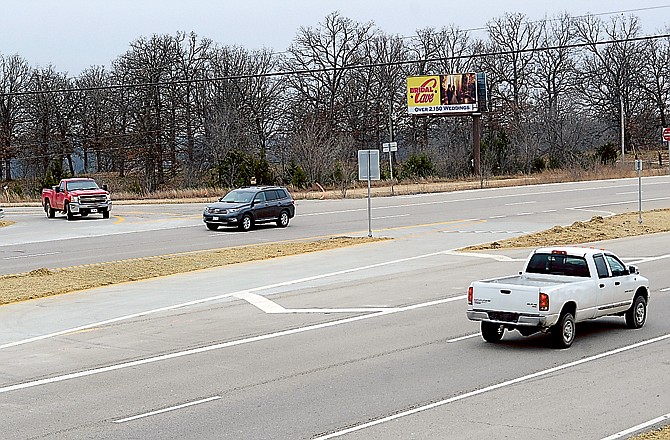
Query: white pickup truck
[[557, 288]]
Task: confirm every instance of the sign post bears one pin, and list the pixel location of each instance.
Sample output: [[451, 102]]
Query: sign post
[[389, 147], [638, 168], [368, 169], [666, 138]]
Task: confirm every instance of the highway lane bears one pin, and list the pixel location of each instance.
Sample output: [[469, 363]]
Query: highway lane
[[312, 346], [145, 230]]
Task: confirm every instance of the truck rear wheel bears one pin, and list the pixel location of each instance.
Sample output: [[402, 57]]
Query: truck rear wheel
[[49, 210], [492, 332], [563, 333]]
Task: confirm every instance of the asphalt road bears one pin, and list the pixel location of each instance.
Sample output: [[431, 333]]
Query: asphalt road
[[367, 342]]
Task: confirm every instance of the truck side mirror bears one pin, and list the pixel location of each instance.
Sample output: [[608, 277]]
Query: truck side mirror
[[105, 187], [633, 270], [57, 188]]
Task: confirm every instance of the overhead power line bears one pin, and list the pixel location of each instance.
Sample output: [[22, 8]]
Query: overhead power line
[[331, 69]]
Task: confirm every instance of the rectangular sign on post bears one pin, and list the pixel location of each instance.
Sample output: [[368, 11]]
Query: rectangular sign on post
[[368, 165], [389, 146], [442, 94]]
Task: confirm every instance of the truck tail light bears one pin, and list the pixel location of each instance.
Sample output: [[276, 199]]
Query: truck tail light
[[470, 292], [544, 302]]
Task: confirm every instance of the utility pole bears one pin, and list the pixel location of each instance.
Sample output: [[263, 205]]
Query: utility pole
[[623, 132]]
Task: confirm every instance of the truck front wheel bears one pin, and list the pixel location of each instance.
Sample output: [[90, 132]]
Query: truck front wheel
[[637, 314], [563, 333], [68, 212], [492, 332]]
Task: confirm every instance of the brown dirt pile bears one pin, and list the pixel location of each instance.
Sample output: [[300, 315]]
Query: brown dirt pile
[[596, 229]]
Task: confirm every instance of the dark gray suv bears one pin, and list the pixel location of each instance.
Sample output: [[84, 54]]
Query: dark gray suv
[[245, 207]]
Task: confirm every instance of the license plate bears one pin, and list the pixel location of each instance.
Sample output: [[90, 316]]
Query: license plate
[[94, 210], [215, 218]]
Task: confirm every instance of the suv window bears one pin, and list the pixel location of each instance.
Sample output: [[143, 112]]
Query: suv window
[[281, 194], [260, 197], [271, 194]]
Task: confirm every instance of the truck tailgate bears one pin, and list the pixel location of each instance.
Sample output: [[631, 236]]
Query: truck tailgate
[[505, 297]]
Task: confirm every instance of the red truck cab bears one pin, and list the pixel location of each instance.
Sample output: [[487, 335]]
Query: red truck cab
[[77, 196]]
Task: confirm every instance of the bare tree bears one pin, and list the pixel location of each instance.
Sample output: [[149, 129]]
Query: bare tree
[[554, 89], [656, 77], [14, 77], [51, 110], [611, 73], [323, 58], [94, 116]]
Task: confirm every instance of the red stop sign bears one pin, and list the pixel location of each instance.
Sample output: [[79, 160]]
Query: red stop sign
[[666, 134]]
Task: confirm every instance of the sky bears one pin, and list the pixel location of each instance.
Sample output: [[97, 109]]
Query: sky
[[73, 35]]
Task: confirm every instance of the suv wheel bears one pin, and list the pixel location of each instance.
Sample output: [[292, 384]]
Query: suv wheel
[[246, 223], [283, 219]]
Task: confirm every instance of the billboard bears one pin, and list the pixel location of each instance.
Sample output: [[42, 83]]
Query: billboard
[[443, 94]]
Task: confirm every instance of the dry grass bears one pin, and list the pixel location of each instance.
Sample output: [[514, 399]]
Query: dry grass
[[47, 282], [656, 434], [358, 189]]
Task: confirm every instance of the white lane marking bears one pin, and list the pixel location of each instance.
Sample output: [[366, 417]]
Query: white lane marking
[[520, 203], [208, 348], [164, 410], [639, 427], [270, 307], [549, 211], [503, 258], [667, 289], [30, 255], [491, 388], [648, 259], [462, 338], [524, 213], [503, 196], [498, 216], [219, 297], [626, 193], [390, 216]]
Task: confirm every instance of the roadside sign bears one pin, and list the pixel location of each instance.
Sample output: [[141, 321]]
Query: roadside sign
[[666, 134], [368, 165], [389, 146]]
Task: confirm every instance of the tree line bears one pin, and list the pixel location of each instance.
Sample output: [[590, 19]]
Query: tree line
[[183, 109]]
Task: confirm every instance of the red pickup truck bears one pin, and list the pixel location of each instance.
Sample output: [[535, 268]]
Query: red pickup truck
[[77, 196]]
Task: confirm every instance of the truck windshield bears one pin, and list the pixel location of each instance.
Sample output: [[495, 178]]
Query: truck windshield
[[558, 264], [83, 184]]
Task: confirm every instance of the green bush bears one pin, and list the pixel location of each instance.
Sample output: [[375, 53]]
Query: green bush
[[417, 165], [607, 153]]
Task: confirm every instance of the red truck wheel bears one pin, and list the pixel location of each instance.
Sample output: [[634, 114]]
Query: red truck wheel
[[68, 212], [49, 210]]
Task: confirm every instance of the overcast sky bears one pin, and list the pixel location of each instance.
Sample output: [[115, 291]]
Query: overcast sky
[[75, 34]]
